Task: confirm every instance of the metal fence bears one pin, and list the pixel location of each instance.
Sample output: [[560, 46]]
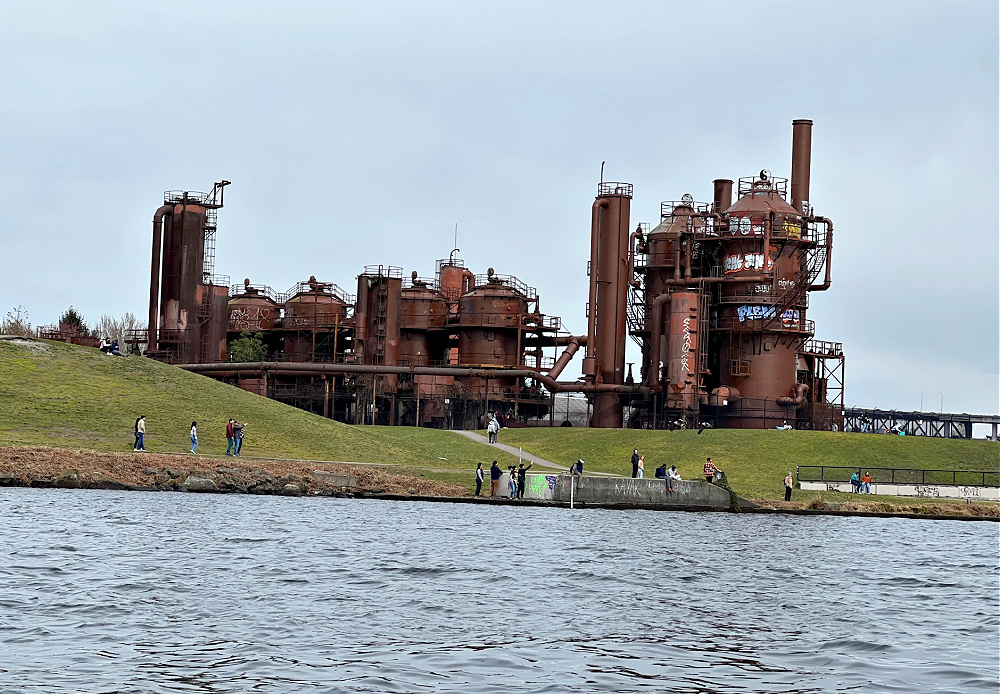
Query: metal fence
[[885, 475]]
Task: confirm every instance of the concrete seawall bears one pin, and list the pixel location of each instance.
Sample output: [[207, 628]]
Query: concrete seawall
[[693, 495]]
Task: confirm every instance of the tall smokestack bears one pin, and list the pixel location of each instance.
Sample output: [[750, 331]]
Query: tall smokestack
[[723, 194], [801, 158]]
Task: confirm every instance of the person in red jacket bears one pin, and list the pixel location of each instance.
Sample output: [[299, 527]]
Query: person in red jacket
[[230, 437], [710, 470]]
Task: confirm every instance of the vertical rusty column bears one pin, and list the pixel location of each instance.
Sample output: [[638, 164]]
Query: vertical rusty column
[[154, 275], [723, 195], [801, 161], [611, 287]]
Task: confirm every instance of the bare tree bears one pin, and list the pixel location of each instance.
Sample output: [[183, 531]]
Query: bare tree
[[16, 323], [118, 328]]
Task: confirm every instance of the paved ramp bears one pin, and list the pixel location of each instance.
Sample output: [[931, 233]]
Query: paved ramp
[[540, 462]]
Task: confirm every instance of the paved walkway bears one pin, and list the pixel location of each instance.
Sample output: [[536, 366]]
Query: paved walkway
[[541, 462]]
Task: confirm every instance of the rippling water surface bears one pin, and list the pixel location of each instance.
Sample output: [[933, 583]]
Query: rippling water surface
[[146, 592]]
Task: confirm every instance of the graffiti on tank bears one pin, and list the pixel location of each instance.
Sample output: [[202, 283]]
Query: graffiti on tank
[[928, 490], [793, 230], [686, 346], [790, 317], [762, 288], [744, 226], [745, 261], [240, 317], [785, 284], [755, 312]]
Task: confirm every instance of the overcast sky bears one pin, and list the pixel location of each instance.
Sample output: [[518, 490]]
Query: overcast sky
[[359, 133]]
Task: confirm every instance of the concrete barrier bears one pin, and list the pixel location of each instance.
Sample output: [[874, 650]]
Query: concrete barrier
[[626, 491], [943, 491]]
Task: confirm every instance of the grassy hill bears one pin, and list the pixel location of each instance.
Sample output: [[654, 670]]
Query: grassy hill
[[754, 461], [62, 395]]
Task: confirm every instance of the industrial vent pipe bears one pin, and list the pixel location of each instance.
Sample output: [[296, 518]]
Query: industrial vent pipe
[[801, 159]]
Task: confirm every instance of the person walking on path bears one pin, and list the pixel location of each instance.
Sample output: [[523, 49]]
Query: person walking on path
[[479, 478], [491, 429], [140, 434], [866, 482], [194, 436], [642, 466], [495, 473], [710, 470], [788, 486], [635, 462], [521, 472], [673, 477], [238, 435], [230, 437]]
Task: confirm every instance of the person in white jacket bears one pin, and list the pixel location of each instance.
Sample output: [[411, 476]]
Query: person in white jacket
[[673, 477]]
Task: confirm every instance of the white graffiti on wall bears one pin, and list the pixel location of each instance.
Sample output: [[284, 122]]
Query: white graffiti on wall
[[241, 317], [927, 490], [744, 226], [750, 262], [969, 491], [686, 346]]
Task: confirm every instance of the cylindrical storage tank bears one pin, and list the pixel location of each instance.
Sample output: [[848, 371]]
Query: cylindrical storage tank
[[683, 348], [252, 311], [490, 317], [314, 308], [422, 310]]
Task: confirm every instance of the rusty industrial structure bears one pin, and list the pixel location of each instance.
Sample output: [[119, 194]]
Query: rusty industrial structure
[[715, 295]]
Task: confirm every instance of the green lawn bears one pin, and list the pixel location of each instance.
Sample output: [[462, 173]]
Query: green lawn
[[75, 397], [755, 461]]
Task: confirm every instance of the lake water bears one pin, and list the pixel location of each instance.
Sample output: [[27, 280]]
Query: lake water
[[147, 592]]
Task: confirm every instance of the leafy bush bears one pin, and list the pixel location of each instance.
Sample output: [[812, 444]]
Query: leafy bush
[[247, 347]]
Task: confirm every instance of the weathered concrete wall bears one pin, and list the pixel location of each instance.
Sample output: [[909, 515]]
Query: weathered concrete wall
[[537, 486], [944, 491], [625, 490]]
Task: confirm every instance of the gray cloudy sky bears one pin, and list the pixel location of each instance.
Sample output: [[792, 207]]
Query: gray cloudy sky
[[359, 133]]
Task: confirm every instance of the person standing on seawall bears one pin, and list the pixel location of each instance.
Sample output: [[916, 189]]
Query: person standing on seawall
[[194, 436], [230, 437], [709, 470], [479, 478], [788, 487], [641, 466], [495, 473], [521, 472], [635, 462], [140, 433]]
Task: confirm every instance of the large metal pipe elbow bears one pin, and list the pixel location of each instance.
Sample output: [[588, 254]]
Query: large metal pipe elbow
[[800, 393], [566, 356]]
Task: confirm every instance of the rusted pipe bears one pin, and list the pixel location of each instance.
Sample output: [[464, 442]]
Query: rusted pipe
[[564, 358], [801, 390], [655, 338], [829, 256], [282, 369], [154, 276], [589, 365], [637, 234], [468, 280], [767, 243], [677, 260], [801, 160], [687, 257]]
